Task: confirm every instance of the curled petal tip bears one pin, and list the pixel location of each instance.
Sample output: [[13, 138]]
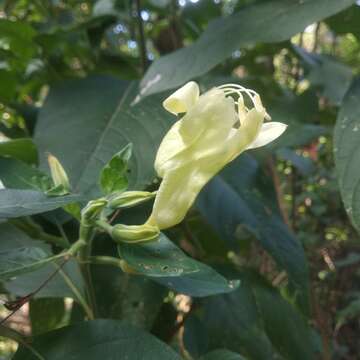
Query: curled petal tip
[[183, 99]]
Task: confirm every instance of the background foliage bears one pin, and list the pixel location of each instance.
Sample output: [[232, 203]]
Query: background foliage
[[266, 264]]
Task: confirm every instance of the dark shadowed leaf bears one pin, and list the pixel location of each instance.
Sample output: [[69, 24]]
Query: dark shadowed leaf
[[222, 355], [13, 241], [269, 21], [347, 152], [134, 299], [346, 21], [328, 74], [46, 314], [15, 174], [257, 322], [243, 195], [99, 339], [22, 260], [101, 120], [232, 321], [21, 149], [66, 283]]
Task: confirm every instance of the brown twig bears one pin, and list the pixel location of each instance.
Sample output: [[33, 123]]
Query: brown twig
[[16, 305], [279, 193]]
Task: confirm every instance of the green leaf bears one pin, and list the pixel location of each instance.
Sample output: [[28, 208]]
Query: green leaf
[[346, 21], [269, 22], [61, 285], [257, 322], [300, 114], [21, 149], [134, 299], [13, 239], [8, 83], [46, 314], [101, 120], [232, 321], [285, 327], [113, 176], [243, 195], [222, 355], [165, 263], [19, 261], [99, 339], [19, 37], [16, 203], [328, 74], [347, 152], [15, 174]]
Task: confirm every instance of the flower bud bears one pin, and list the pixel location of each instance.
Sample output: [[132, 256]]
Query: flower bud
[[58, 173], [92, 210], [129, 198], [134, 233]]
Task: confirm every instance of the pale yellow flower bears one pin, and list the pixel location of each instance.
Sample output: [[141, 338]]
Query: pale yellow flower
[[215, 129]]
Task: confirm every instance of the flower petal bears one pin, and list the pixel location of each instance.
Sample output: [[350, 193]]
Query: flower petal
[[268, 133], [179, 189], [183, 99], [240, 139], [171, 145]]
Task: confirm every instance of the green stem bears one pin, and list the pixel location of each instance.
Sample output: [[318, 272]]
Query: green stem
[[36, 232], [86, 234], [105, 260], [77, 293], [76, 247], [104, 225]]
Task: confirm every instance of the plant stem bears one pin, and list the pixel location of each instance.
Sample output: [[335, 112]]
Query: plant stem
[[35, 231], [105, 260], [76, 247], [294, 192], [86, 235], [104, 225], [142, 40], [77, 293], [279, 193]]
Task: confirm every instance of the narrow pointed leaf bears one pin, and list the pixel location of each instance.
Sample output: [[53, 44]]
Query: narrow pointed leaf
[[17, 203], [269, 22]]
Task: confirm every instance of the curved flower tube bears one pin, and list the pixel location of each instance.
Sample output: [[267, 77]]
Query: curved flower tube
[[215, 129]]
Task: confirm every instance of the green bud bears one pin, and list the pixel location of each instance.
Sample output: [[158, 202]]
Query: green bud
[[92, 210], [129, 198], [134, 233], [58, 174]]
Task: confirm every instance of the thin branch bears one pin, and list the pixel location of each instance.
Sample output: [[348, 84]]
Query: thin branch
[[141, 34], [15, 336], [279, 193], [16, 305], [316, 37], [77, 294]]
